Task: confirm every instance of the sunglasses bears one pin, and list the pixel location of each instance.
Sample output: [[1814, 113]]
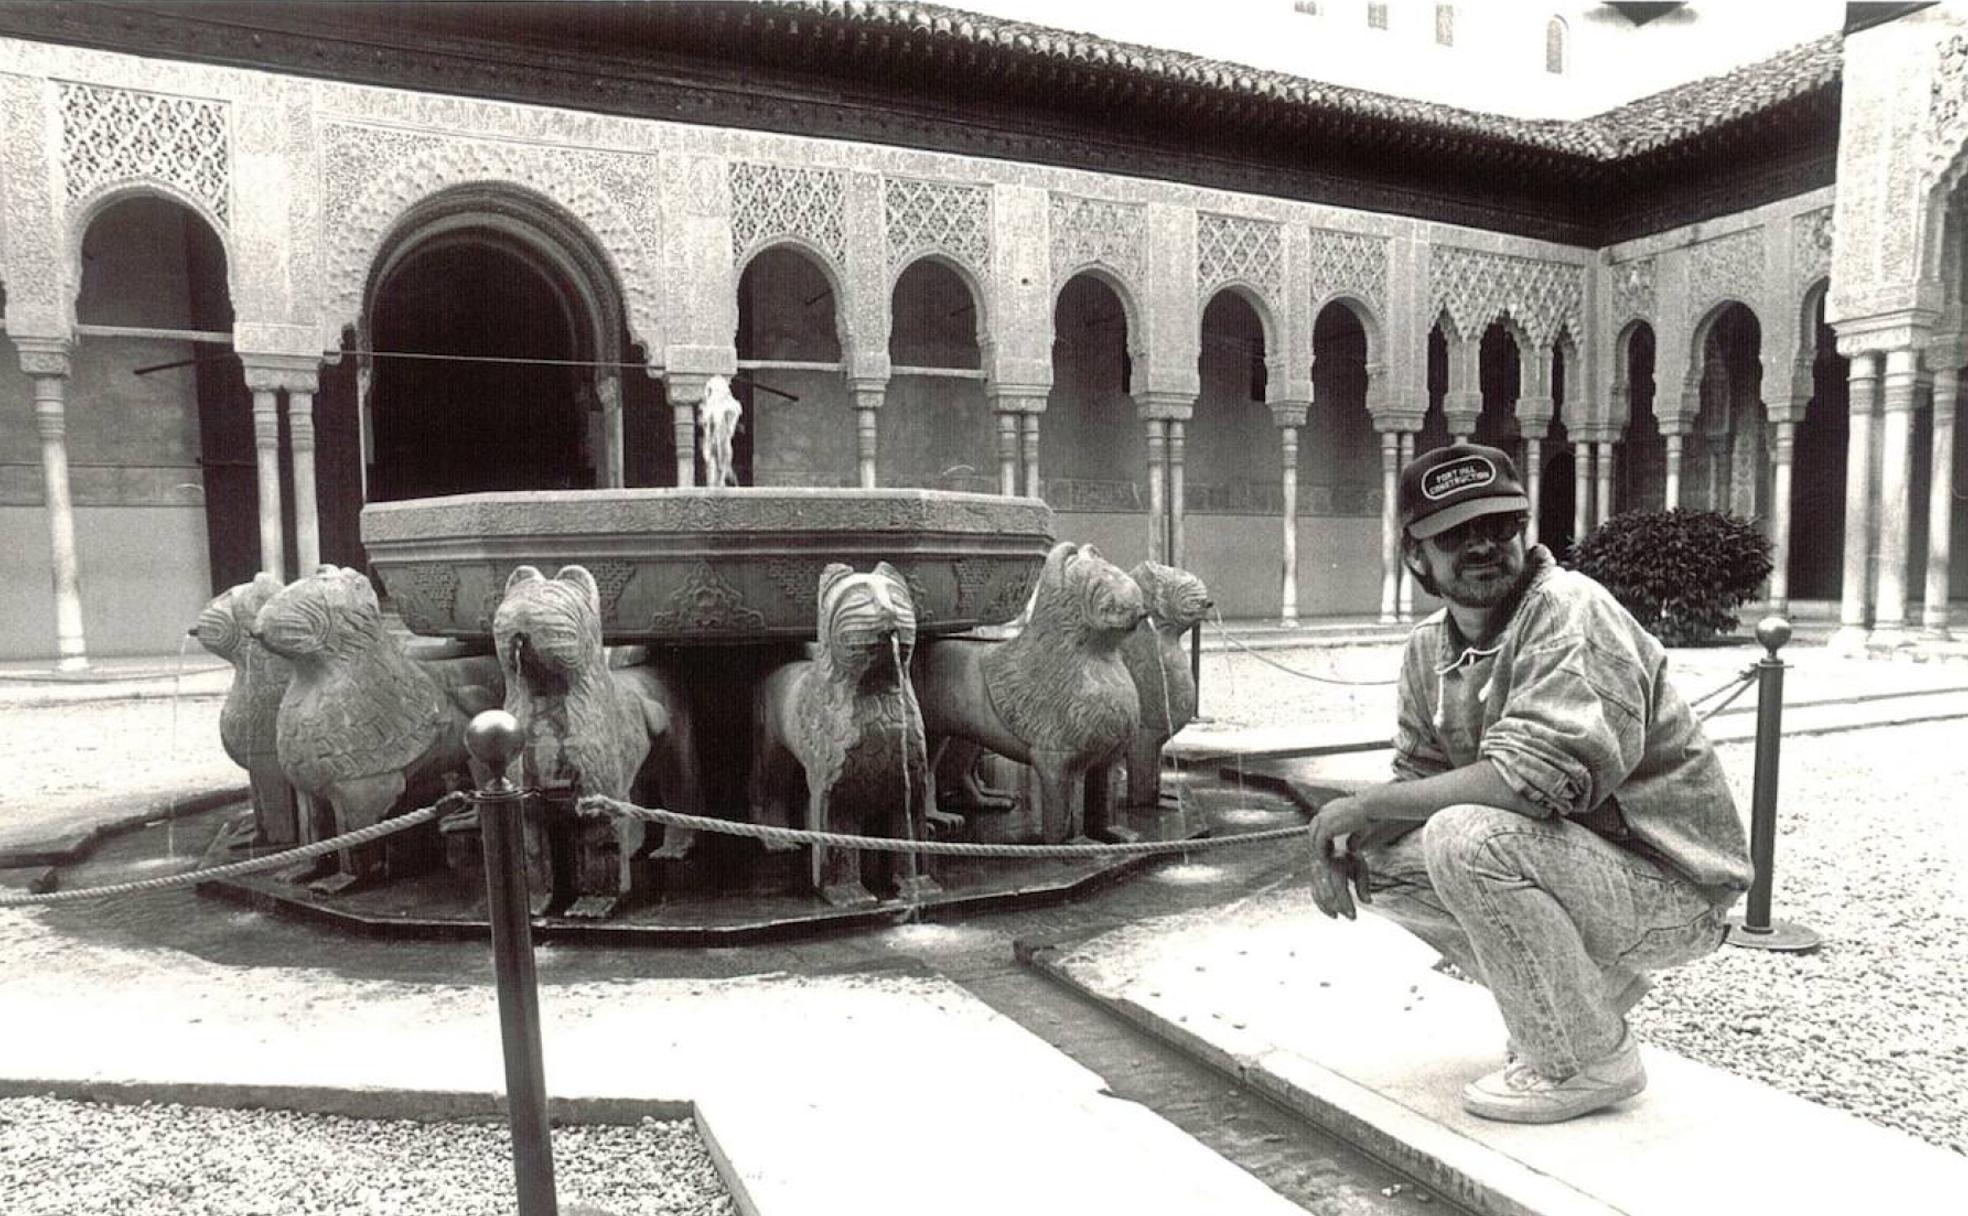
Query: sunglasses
[[1496, 529]]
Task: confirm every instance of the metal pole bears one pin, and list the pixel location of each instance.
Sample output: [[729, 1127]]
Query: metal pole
[[494, 740], [1754, 930]]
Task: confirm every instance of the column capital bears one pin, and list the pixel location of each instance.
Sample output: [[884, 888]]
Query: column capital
[[1164, 404], [271, 373], [1399, 422], [43, 356], [1289, 413], [1907, 329], [1537, 409], [1017, 398], [869, 393], [687, 388]]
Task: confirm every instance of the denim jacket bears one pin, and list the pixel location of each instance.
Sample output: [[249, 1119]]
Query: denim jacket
[[1573, 706]]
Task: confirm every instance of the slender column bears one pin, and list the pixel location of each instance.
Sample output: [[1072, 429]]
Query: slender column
[[1940, 503], [307, 508], [1533, 482], [1157, 489], [685, 391], [1390, 526], [1895, 495], [1786, 457], [266, 449], [608, 389], [1030, 439], [1407, 597], [1581, 489], [868, 397], [49, 371], [1177, 441], [1007, 453], [1288, 485], [1605, 480], [1863, 379], [1672, 493], [1462, 400]]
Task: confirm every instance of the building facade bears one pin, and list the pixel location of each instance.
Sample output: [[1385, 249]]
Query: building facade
[[265, 263]]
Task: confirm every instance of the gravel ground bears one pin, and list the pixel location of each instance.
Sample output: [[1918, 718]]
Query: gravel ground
[[200, 1161]]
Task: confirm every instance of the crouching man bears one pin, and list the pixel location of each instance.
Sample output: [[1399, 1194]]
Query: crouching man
[[1557, 825]]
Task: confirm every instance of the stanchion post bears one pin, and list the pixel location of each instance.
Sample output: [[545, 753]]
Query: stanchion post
[[494, 740], [1754, 930]]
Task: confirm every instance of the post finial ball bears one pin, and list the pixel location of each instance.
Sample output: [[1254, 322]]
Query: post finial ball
[[1773, 632], [494, 740]]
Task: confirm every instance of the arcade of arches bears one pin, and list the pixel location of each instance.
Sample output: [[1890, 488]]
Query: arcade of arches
[[211, 370]]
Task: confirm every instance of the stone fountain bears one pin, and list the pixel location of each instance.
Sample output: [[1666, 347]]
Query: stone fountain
[[789, 656]]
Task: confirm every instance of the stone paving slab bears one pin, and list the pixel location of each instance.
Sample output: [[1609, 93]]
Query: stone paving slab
[[822, 1093], [1348, 1023]]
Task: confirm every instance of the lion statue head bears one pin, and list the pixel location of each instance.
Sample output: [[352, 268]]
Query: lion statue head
[[331, 612], [225, 626], [866, 622], [1176, 599], [548, 630], [1083, 596]]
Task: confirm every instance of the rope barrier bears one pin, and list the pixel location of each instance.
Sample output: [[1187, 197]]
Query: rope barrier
[[1741, 682], [595, 806], [446, 805], [1303, 675]]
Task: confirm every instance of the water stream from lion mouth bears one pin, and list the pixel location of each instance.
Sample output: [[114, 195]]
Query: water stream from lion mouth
[[911, 862]]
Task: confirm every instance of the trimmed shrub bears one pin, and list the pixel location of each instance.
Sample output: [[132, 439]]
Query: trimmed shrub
[[1681, 573]]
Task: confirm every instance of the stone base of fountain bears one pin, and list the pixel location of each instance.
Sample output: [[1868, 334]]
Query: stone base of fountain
[[731, 891]]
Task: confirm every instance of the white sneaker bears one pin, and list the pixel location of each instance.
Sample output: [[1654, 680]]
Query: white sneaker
[[1518, 1093]]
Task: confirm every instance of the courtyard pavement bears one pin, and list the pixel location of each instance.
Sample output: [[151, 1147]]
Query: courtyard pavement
[[813, 1082]]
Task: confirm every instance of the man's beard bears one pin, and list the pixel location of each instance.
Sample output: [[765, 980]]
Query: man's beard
[[1491, 583]]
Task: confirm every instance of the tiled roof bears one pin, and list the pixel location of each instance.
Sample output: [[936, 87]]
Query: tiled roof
[[1641, 126]]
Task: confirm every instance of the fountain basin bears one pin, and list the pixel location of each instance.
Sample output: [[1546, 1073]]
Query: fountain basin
[[696, 565]]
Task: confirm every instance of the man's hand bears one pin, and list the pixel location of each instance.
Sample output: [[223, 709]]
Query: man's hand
[[1332, 868]]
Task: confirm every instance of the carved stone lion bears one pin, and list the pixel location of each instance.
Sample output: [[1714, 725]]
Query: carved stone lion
[[589, 729], [1056, 697], [361, 724], [843, 730], [1153, 653], [249, 719]]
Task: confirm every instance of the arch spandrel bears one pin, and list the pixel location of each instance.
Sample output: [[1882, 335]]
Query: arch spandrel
[[376, 179]]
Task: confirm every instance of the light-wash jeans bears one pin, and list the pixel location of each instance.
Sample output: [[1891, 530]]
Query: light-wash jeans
[[1556, 920]]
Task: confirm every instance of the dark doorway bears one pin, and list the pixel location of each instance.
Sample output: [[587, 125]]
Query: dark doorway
[[1558, 499], [459, 425]]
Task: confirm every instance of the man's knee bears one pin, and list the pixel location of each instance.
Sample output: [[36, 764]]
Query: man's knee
[[1454, 834]]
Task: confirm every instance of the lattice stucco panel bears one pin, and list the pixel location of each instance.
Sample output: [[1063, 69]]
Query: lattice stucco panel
[[1633, 290], [1727, 268], [937, 217], [1234, 248], [374, 175], [1810, 246], [1476, 288], [1087, 230], [113, 135], [1350, 262], [773, 201]]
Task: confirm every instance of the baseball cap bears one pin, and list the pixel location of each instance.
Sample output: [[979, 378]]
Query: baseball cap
[[1453, 485]]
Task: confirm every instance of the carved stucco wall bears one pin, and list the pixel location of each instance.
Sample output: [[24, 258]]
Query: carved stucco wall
[[1476, 287], [1350, 264], [374, 175]]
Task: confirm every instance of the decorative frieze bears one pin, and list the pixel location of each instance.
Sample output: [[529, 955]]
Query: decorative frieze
[[949, 218], [1476, 287], [1095, 231], [1947, 104], [119, 135], [1810, 246], [773, 201], [1235, 249], [1727, 268], [1632, 285], [1350, 262]]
